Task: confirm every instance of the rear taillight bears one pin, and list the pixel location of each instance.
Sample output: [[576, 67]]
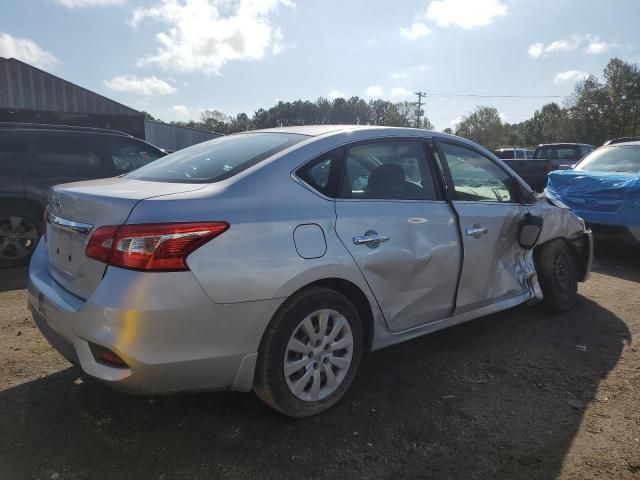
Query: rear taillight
[[151, 247], [550, 168]]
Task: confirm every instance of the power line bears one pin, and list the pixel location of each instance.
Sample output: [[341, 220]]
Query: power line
[[475, 95]]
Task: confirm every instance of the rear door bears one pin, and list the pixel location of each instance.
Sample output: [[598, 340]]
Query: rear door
[[14, 148], [399, 230], [486, 200], [62, 157]]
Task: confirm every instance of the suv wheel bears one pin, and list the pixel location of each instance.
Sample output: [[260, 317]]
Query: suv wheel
[[310, 353], [19, 234]]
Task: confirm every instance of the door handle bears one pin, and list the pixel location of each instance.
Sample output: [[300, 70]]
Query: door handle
[[368, 239], [476, 231]]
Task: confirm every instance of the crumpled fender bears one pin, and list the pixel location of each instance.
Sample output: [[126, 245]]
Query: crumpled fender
[[558, 221]]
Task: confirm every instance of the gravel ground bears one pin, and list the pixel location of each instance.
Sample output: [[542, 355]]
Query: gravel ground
[[508, 396]]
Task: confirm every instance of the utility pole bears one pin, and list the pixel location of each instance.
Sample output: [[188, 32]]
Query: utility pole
[[419, 111]]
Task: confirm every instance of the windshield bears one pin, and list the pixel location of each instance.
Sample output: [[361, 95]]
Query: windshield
[[217, 159], [618, 158], [560, 152]]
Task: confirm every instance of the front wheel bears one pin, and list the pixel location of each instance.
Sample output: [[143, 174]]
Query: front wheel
[[558, 275], [310, 353]]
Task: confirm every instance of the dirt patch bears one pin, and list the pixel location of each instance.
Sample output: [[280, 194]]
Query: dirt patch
[[521, 394]]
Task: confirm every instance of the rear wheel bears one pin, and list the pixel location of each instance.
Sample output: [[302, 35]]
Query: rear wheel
[[558, 275], [19, 234], [310, 353]]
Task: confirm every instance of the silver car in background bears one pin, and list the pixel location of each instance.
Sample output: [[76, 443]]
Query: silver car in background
[[272, 260]]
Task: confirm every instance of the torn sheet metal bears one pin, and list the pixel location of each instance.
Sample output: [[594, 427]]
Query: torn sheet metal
[[558, 221]]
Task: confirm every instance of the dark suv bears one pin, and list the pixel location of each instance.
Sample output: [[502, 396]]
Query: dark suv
[[35, 157]]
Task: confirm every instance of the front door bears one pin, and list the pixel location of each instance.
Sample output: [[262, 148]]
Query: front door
[[485, 198], [400, 232]]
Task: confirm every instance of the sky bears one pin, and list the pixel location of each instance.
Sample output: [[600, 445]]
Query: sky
[[177, 58]]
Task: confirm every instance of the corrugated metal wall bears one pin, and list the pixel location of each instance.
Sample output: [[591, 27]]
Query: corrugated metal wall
[[172, 137], [25, 87]]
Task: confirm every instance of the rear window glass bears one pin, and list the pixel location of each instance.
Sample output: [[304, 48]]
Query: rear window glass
[[568, 153], [216, 159], [505, 154], [623, 159]]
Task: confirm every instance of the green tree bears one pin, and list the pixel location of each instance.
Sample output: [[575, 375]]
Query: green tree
[[483, 126]]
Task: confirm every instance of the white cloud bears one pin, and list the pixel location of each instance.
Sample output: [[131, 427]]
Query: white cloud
[[399, 75], [421, 68], [337, 94], [203, 35], [415, 31], [465, 13], [374, 91], [503, 117], [87, 3], [400, 92], [454, 123], [536, 50], [593, 45], [181, 111], [570, 76], [147, 86], [26, 50], [371, 41]]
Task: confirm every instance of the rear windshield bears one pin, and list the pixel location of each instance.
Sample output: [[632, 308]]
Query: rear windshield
[[566, 153], [216, 159], [623, 159], [505, 154]]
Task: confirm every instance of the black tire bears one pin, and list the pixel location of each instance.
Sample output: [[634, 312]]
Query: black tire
[[12, 254], [270, 383], [557, 274]]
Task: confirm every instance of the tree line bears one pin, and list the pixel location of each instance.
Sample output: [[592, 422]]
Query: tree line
[[595, 112]]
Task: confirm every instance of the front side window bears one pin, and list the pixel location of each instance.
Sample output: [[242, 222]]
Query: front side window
[[67, 153], [127, 154], [475, 177], [216, 159], [619, 158], [387, 170]]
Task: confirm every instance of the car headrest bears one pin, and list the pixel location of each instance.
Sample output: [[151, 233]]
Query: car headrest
[[387, 179]]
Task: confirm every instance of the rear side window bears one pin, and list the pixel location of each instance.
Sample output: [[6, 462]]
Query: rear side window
[[65, 153], [13, 151], [389, 171], [216, 159], [127, 154], [322, 174]]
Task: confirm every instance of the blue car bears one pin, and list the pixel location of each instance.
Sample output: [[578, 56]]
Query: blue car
[[604, 189]]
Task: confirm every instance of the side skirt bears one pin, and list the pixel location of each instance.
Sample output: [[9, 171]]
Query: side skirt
[[385, 339]]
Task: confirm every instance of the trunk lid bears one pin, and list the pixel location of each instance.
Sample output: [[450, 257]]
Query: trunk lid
[[76, 209]]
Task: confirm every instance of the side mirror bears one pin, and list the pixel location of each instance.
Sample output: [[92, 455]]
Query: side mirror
[[529, 231]]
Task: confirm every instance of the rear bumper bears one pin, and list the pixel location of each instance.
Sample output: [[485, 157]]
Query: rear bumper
[[172, 337]]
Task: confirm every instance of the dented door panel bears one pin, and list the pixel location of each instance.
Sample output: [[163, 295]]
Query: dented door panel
[[414, 272]]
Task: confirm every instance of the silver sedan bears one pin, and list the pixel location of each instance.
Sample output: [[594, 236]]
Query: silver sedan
[[273, 260]]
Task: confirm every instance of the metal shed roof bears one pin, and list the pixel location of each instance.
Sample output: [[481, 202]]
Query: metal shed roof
[[25, 87]]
